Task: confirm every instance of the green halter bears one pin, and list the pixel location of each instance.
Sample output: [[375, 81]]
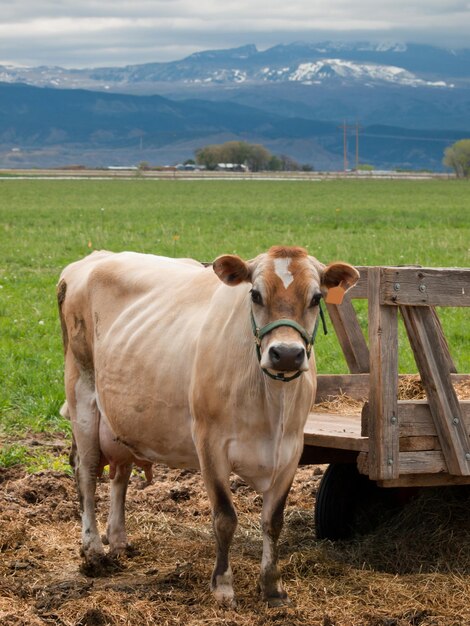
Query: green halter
[[309, 340]]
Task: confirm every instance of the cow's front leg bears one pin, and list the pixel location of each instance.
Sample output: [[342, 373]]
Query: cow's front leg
[[272, 517], [224, 519]]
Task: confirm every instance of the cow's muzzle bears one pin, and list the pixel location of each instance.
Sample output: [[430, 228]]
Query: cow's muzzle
[[286, 358]]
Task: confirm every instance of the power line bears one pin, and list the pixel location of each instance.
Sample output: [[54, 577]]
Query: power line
[[411, 137]]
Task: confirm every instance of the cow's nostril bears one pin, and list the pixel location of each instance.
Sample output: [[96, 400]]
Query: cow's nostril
[[286, 358], [299, 358]]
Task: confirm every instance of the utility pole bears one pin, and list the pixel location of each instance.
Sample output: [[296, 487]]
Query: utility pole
[[345, 128], [358, 128]]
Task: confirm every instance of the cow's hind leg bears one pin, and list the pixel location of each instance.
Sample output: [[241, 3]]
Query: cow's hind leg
[[86, 458], [116, 531], [274, 502]]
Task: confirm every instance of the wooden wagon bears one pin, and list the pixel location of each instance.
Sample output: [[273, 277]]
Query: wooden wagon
[[391, 443]]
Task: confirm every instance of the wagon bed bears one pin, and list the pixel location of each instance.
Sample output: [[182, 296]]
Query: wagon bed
[[396, 443], [335, 431]]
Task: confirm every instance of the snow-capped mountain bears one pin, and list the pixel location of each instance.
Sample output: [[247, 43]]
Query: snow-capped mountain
[[339, 70], [323, 63], [318, 72]]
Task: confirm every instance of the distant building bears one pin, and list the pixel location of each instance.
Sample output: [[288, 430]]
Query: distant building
[[231, 167], [189, 167], [122, 167]]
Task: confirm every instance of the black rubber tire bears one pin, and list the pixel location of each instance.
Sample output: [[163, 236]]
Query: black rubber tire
[[348, 503]]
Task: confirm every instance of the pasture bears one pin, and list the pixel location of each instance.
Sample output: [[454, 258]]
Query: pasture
[[45, 225], [386, 578]]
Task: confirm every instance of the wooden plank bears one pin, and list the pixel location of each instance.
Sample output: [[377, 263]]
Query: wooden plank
[[426, 286], [443, 341], [343, 432], [350, 337], [427, 462], [363, 463], [356, 385], [334, 422], [419, 444], [425, 480], [414, 418], [359, 291], [329, 430], [353, 385], [410, 463], [435, 376], [383, 346]]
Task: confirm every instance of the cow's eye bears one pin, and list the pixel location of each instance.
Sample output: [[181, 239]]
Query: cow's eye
[[315, 301], [256, 297]]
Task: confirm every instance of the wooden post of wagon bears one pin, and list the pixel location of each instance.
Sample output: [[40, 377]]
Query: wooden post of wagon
[[383, 347], [420, 289]]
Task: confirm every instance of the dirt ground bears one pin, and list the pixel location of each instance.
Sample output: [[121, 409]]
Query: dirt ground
[[412, 571]]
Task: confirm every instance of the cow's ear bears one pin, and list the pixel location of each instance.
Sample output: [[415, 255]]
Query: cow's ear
[[337, 278], [231, 269]]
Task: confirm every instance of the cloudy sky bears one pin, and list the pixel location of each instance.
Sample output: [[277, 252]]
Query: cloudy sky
[[80, 33]]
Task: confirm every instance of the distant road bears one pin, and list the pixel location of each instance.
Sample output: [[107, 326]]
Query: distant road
[[130, 174]]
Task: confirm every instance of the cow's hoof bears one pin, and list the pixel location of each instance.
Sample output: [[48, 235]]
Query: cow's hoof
[[100, 565], [278, 598], [127, 550], [278, 601], [227, 603], [131, 550], [224, 597], [221, 586]]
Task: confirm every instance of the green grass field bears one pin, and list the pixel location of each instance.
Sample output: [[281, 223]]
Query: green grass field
[[46, 224]]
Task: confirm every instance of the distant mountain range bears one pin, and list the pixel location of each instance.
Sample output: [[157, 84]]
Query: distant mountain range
[[410, 101], [409, 65]]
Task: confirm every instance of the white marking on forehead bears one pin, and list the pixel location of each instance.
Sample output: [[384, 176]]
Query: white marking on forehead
[[281, 269]]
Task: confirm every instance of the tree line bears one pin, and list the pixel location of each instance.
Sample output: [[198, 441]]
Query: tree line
[[257, 158], [254, 156]]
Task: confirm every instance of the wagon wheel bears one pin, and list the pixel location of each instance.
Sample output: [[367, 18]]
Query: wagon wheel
[[348, 502]]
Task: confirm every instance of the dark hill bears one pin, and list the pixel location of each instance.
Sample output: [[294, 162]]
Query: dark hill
[[44, 127]]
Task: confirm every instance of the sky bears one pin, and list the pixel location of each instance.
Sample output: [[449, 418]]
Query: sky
[[92, 33]]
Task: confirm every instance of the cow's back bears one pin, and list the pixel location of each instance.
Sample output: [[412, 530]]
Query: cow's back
[[122, 313]]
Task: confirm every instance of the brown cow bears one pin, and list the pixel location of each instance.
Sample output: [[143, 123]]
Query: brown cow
[[168, 361]]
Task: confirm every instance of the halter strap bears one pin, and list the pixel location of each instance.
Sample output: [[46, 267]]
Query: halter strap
[[309, 340]]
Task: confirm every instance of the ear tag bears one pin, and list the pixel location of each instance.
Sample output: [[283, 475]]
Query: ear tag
[[335, 295]]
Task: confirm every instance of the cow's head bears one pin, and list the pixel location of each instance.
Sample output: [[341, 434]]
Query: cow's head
[[287, 286]]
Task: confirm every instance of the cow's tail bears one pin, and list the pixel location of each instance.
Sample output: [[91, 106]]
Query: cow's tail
[[61, 291]]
